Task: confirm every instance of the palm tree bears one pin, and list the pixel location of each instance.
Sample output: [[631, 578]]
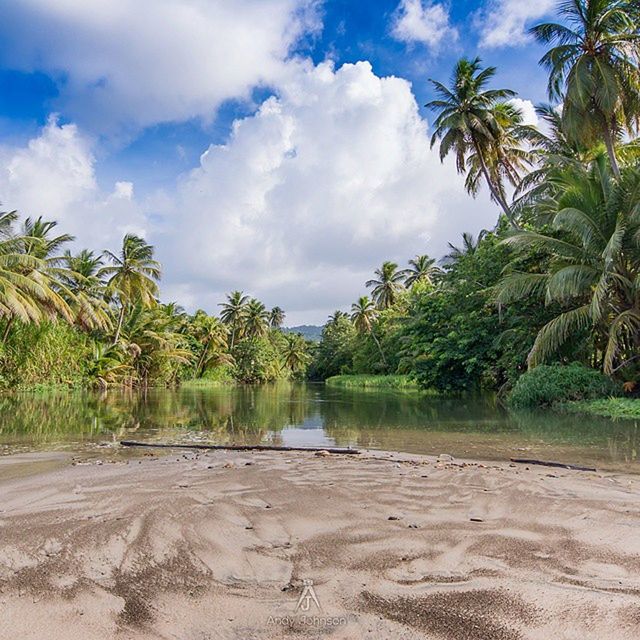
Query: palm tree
[[594, 267], [467, 125], [276, 317], [336, 316], [211, 333], [37, 241], [256, 319], [233, 313], [387, 285], [132, 276], [469, 246], [363, 316], [421, 269], [593, 69], [295, 354]]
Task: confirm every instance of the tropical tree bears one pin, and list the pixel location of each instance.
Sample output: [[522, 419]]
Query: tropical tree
[[132, 276], [593, 69], [295, 355], [363, 315], [468, 125], [233, 314], [256, 319], [594, 265], [276, 317], [421, 269], [211, 334], [387, 284], [469, 246]]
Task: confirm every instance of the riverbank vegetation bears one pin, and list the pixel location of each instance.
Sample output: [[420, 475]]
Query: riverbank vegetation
[[396, 382], [557, 281]]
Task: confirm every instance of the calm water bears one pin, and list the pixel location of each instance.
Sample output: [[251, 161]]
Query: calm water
[[313, 415]]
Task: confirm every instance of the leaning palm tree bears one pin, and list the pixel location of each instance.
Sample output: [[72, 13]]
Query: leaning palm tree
[[233, 313], [467, 126], [421, 269], [594, 69], [256, 319], [387, 285], [132, 276], [211, 333], [276, 317], [363, 316], [594, 265]]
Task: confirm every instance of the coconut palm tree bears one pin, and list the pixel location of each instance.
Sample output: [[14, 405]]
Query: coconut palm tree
[[421, 269], [276, 317], [466, 125], [132, 276], [256, 319], [38, 242], [593, 69], [336, 316], [594, 264], [212, 334], [469, 246], [295, 354], [387, 285], [233, 313], [363, 315]]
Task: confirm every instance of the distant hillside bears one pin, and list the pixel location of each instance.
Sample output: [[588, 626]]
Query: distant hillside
[[309, 331]]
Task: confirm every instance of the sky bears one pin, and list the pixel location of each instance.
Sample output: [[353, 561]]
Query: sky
[[279, 147]]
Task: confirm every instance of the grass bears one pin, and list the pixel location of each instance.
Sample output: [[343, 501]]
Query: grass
[[205, 383], [615, 408], [364, 381]]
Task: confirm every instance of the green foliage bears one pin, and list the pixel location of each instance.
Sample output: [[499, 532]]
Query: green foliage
[[334, 354], [547, 385], [616, 408], [362, 381]]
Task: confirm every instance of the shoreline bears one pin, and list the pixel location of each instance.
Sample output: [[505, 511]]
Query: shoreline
[[220, 544]]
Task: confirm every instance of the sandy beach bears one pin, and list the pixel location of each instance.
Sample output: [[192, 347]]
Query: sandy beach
[[197, 546]]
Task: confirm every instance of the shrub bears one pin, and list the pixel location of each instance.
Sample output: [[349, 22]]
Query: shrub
[[550, 384]]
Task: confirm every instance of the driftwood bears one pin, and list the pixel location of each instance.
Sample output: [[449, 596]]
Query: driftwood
[[560, 465], [235, 447]]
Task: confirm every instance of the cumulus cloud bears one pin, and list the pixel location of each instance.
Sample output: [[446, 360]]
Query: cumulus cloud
[[312, 192], [133, 63], [307, 196], [422, 21], [54, 176], [528, 110], [504, 23]]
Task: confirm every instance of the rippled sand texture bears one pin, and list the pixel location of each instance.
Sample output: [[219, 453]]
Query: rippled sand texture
[[200, 546]]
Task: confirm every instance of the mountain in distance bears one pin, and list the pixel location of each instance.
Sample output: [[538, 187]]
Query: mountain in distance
[[308, 331]]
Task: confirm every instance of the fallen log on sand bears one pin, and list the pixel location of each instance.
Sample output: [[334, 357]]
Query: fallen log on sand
[[236, 447], [560, 465]]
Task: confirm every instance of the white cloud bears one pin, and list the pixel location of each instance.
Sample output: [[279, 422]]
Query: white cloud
[[305, 199], [312, 192], [504, 23], [528, 110], [54, 176], [422, 21], [133, 63]]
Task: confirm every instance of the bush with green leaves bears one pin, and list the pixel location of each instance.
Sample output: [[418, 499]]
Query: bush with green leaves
[[547, 385]]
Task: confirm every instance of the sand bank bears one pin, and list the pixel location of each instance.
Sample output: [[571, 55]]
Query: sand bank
[[283, 545]]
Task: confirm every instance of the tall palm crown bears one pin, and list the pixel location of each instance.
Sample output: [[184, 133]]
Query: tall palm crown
[[256, 319], [363, 314], [276, 317], [295, 352], [594, 264], [38, 242], [132, 275], [421, 269], [593, 69], [467, 125], [469, 246], [387, 285], [233, 313]]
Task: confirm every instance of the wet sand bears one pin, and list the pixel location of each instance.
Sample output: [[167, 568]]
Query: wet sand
[[219, 545]]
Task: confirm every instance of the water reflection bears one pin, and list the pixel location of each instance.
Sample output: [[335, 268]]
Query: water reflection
[[311, 415]]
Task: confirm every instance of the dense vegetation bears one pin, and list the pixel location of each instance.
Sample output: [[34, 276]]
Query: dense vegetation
[[77, 319], [558, 279]]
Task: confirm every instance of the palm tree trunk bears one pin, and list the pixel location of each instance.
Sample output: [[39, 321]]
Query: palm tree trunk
[[611, 151], [7, 329], [119, 327], [373, 335], [497, 196], [205, 349]]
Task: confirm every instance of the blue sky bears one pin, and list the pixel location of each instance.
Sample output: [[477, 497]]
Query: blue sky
[[309, 114]]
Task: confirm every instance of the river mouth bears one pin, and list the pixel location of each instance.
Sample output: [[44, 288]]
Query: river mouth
[[312, 415]]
